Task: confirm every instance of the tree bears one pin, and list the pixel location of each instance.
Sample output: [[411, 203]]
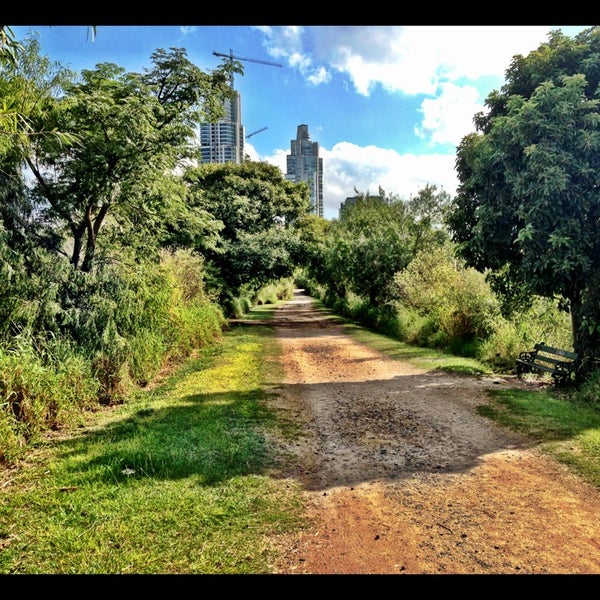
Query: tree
[[427, 210], [28, 82], [129, 132], [528, 203], [312, 231], [256, 208], [376, 237], [8, 46], [373, 241]]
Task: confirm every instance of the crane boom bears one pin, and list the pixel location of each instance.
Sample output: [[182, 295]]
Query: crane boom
[[255, 132], [232, 56]]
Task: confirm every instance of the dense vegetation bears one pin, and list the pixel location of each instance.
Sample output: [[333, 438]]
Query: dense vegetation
[[120, 257], [528, 206]]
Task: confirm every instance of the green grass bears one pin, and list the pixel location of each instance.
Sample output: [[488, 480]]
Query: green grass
[[174, 481], [564, 428], [425, 358]]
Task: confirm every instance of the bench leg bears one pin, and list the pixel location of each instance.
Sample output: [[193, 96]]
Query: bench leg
[[561, 379]]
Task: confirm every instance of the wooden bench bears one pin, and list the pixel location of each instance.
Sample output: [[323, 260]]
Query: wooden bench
[[546, 359]]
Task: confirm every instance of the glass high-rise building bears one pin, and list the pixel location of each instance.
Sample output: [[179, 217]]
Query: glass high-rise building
[[223, 141], [304, 164]]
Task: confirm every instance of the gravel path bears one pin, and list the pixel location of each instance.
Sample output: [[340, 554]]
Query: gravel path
[[401, 474]]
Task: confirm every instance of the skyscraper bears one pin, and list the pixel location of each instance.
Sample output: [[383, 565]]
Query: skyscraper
[[304, 164], [223, 141]]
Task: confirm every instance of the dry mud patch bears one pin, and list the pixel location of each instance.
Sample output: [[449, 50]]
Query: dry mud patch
[[402, 475]]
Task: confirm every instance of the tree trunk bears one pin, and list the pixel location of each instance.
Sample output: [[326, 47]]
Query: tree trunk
[[78, 235], [585, 322]]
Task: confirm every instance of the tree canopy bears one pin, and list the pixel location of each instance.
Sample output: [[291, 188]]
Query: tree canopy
[[107, 145], [255, 208], [375, 237], [528, 203]]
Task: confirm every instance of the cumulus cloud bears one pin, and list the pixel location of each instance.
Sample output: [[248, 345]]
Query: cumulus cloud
[[444, 67], [449, 117], [410, 60], [348, 166]]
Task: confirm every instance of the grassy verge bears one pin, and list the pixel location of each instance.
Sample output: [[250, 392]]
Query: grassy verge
[[565, 428], [174, 481], [425, 358]]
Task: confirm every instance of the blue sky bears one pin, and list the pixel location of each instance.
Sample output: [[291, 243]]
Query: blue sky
[[387, 104]]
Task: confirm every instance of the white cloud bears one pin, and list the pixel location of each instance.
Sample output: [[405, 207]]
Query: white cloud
[[319, 76], [410, 60], [347, 166], [449, 117], [441, 63], [446, 67]]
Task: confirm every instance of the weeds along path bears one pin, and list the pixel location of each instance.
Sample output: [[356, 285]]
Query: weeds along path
[[401, 474]]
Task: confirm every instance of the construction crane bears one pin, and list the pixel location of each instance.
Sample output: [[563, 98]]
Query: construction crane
[[255, 132], [232, 56]]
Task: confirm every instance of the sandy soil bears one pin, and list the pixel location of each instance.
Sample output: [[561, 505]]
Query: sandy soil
[[401, 475]]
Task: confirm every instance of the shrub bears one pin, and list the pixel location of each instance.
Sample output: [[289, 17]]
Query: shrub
[[40, 391], [458, 303], [267, 295], [146, 355], [589, 390]]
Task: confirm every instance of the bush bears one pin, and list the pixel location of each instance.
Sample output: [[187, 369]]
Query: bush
[[267, 295], [459, 305], [40, 391], [543, 321], [118, 327], [502, 348], [589, 391], [146, 355], [195, 326]]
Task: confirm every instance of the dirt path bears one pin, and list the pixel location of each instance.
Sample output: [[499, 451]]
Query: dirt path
[[403, 476]]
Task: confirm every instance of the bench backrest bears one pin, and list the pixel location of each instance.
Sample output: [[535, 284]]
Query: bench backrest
[[573, 356]]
